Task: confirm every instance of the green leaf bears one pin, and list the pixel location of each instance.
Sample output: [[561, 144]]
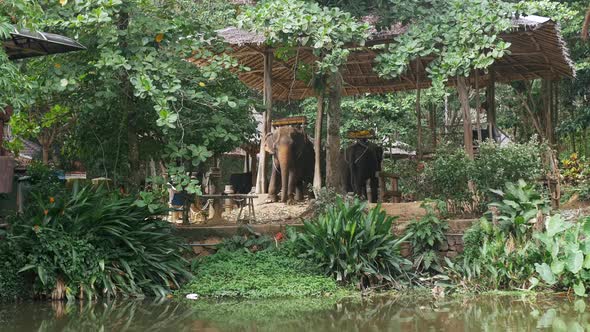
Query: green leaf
[[575, 261], [556, 225], [579, 289], [545, 272], [557, 267]]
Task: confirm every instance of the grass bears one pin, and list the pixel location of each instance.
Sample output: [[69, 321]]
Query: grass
[[261, 275]]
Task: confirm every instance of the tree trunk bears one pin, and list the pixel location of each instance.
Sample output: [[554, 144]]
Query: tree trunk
[[129, 107], [462, 89], [477, 108], [432, 125], [418, 125], [317, 145], [333, 157], [261, 186], [491, 104], [45, 154]]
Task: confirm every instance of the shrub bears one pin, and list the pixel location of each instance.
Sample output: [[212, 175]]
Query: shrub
[[452, 170], [351, 244], [574, 169], [450, 173], [264, 274], [95, 243], [414, 182], [12, 284], [44, 181], [495, 165], [426, 236]]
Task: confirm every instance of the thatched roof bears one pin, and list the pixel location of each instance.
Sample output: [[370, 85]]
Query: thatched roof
[[537, 51]]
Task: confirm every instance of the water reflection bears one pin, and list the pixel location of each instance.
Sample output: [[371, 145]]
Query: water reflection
[[482, 313]]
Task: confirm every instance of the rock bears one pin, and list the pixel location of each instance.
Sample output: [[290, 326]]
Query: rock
[[444, 246], [192, 296], [451, 254]]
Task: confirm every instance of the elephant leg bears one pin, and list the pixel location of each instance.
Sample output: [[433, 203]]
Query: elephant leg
[[374, 189], [363, 189], [272, 186], [291, 187], [299, 192]]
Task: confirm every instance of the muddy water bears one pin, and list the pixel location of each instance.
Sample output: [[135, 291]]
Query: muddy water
[[482, 313]]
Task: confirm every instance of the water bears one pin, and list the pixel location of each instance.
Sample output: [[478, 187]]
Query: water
[[482, 313]]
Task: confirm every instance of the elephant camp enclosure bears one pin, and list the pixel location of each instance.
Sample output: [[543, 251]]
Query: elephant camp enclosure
[[537, 52]]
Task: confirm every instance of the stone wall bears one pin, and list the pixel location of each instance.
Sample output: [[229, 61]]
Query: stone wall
[[203, 239]]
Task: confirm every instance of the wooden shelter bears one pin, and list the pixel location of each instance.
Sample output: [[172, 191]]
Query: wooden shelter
[[537, 51]]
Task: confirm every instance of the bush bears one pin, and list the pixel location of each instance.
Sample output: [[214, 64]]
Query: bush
[[556, 255], [13, 285], [264, 274], [492, 168], [414, 183], [95, 243], [450, 172], [495, 165], [44, 181], [426, 236], [351, 244], [575, 169]]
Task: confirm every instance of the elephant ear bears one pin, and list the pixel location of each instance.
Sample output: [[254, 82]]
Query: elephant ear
[[269, 143]]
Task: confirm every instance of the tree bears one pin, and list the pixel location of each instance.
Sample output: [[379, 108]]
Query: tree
[[136, 97], [327, 31]]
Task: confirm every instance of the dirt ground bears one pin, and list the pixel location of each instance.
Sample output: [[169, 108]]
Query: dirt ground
[[280, 213], [265, 213]]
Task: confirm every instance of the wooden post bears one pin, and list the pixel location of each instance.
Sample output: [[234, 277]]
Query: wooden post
[[491, 104], [418, 111], [477, 107], [261, 186], [432, 124], [546, 89], [462, 89], [334, 178], [317, 144]]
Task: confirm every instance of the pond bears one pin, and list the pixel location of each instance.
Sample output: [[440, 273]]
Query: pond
[[482, 313]]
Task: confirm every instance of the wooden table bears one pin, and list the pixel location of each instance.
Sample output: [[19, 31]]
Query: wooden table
[[246, 198]]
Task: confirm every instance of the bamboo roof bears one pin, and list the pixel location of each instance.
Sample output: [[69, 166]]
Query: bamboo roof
[[537, 51]]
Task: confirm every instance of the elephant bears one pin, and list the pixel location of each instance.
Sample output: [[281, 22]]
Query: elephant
[[293, 161], [363, 161]]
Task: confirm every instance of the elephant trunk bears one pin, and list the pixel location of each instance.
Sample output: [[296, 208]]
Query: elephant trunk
[[284, 155]]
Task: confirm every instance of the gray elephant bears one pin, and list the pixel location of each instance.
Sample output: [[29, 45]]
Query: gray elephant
[[293, 161], [363, 161]]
